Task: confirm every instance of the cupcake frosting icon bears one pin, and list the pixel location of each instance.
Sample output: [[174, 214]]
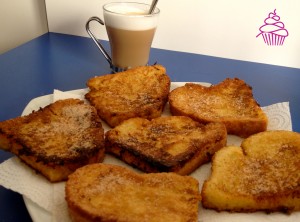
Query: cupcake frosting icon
[[273, 31]]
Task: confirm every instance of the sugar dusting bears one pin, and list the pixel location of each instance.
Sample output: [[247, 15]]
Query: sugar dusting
[[62, 132], [113, 190], [226, 102], [269, 176], [134, 95]]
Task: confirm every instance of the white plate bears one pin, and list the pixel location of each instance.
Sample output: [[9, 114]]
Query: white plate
[[39, 214]]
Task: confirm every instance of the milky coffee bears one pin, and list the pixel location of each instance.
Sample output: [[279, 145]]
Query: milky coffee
[[130, 31]]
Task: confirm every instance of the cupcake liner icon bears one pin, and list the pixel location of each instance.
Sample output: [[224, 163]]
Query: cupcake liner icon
[[273, 31]]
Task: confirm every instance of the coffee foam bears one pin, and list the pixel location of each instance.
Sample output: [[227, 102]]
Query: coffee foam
[[125, 9], [129, 18]]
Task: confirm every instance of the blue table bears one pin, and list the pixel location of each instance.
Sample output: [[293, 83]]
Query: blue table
[[65, 62]]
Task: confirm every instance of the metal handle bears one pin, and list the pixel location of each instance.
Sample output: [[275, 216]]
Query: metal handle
[[97, 42]]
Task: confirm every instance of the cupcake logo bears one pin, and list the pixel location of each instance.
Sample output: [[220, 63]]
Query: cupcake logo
[[273, 31]]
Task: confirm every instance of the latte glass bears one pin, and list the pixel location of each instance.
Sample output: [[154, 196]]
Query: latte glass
[[130, 31]]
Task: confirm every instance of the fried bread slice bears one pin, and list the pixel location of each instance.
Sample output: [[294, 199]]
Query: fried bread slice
[[261, 175], [230, 102], [104, 192], [138, 92], [165, 144], [56, 139]]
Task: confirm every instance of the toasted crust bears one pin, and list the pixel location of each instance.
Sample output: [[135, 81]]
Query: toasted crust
[[138, 92], [103, 192], [262, 175], [165, 144], [230, 102], [57, 139]]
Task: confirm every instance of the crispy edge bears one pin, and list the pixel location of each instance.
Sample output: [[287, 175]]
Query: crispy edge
[[183, 164]]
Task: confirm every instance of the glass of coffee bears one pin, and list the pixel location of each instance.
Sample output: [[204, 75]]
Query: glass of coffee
[[130, 32]]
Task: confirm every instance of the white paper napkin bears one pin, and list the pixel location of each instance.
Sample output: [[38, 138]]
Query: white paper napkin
[[18, 177]]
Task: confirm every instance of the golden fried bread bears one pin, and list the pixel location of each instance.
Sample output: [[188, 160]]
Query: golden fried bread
[[261, 175], [56, 139], [165, 144], [230, 102], [137, 92], [103, 192]]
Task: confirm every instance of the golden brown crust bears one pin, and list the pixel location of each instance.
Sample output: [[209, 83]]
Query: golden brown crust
[[230, 102], [56, 139], [165, 144], [262, 175], [138, 92], [103, 192]]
